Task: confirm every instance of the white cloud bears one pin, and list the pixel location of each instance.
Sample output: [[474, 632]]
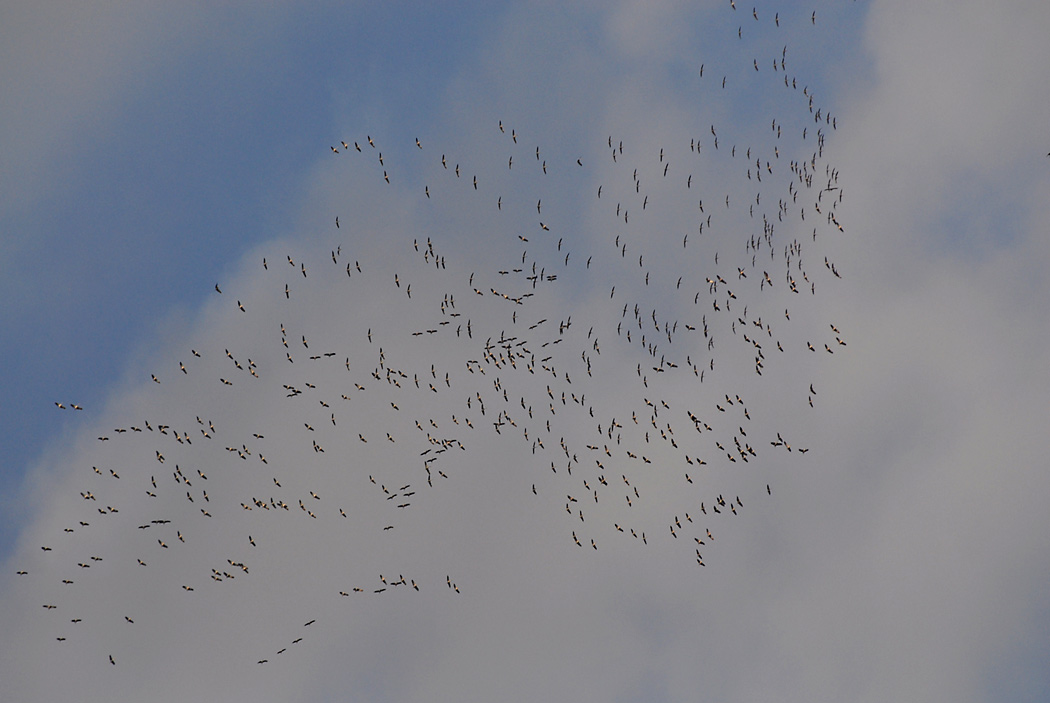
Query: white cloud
[[895, 560]]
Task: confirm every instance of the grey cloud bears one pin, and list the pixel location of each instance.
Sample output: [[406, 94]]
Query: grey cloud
[[894, 560]]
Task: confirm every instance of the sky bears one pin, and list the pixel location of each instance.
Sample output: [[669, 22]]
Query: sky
[[634, 351]]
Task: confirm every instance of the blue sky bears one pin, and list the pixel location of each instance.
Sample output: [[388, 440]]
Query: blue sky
[[140, 201], [150, 154]]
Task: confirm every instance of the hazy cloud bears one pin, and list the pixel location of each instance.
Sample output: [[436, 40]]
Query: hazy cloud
[[899, 557]]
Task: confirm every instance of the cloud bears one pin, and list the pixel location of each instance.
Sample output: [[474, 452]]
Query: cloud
[[896, 558]]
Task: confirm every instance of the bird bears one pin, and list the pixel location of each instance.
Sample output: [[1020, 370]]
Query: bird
[[380, 334]]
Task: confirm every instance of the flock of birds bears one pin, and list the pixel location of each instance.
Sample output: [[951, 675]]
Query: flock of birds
[[618, 353]]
